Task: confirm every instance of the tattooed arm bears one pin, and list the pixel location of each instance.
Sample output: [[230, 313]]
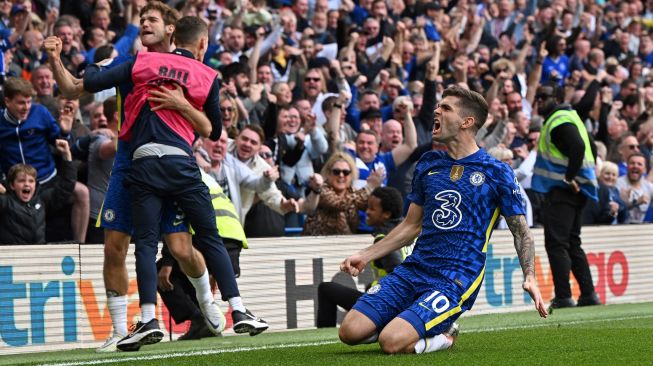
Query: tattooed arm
[[524, 243], [525, 246]]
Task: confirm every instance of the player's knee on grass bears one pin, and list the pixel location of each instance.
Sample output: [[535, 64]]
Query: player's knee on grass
[[356, 328], [398, 336], [394, 342]]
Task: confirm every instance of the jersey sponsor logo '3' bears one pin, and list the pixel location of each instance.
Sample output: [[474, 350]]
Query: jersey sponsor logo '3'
[[448, 216]]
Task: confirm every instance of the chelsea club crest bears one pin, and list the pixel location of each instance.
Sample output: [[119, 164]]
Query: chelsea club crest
[[374, 289], [477, 178]]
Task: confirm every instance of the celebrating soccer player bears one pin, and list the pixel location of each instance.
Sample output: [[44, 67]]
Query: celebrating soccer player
[[456, 199]]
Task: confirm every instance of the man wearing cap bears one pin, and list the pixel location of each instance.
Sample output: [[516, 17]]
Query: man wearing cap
[[371, 119], [565, 172], [432, 10], [14, 22]]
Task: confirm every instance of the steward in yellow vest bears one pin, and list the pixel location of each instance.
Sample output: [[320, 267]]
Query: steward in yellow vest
[[564, 171]]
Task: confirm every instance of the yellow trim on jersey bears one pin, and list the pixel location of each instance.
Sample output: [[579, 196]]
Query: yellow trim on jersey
[[474, 285], [98, 221], [458, 308], [488, 232]]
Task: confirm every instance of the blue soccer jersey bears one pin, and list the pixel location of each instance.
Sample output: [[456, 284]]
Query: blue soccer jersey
[[462, 200]]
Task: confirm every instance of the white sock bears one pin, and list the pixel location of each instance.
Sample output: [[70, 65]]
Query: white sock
[[437, 343], [147, 312], [202, 288], [237, 304], [118, 312]]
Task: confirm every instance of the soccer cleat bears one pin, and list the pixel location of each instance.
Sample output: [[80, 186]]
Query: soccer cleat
[[248, 323], [110, 344], [213, 317], [141, 334], [592, 299], [197, 330], [558, 303], [453, 330], [452, 333]]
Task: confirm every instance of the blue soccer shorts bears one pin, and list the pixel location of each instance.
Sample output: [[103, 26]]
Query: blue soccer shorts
[[116, 211], [429, 303]]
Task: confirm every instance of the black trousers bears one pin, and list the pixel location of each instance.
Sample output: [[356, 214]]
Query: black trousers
[[233, 249], [562, 218], [181, 300], [329, 296]]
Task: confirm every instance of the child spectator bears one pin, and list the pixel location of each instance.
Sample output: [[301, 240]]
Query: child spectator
[[384, 208], [23, 207]]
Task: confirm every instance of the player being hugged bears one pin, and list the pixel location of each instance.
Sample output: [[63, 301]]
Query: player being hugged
[[457, 197]]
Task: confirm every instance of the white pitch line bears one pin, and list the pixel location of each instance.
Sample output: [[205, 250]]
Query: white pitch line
[[188, 354], [321, 343]]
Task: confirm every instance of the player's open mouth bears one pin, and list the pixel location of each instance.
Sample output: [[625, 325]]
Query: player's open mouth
[[436, 125]]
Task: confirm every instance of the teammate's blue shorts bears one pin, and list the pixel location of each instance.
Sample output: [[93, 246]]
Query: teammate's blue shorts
[[429, 303], [116, 211]]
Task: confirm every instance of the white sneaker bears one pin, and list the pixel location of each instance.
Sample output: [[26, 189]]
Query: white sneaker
[[214, 317], [110, 344]]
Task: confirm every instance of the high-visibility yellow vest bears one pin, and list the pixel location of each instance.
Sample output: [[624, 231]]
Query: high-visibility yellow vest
[[226, 216], [551, 164]]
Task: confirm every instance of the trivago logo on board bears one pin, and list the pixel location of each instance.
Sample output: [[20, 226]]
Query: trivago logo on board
[[39, 312], [610, 273]]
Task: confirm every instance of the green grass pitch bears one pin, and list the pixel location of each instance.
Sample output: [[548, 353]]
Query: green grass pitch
[[600, 335]]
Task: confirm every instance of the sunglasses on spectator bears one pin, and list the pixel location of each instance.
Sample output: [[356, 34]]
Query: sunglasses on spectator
[[226, 109], [633, 147], [265, 155], [315, 80], [337, 172]]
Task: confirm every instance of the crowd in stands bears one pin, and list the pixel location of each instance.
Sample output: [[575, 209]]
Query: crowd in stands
[[322, 101]]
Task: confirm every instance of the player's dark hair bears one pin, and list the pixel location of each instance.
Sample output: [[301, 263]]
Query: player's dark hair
[[470, 104], [391, 200], [189, 30]]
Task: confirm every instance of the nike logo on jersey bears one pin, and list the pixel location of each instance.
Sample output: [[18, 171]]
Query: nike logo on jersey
[[433, 172], [177, 223]]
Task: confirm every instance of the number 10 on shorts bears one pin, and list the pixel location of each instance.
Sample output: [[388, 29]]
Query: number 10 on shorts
[[439, 302]]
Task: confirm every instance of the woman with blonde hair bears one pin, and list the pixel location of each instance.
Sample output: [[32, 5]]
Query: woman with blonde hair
[[230, 115], [337, 210]]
